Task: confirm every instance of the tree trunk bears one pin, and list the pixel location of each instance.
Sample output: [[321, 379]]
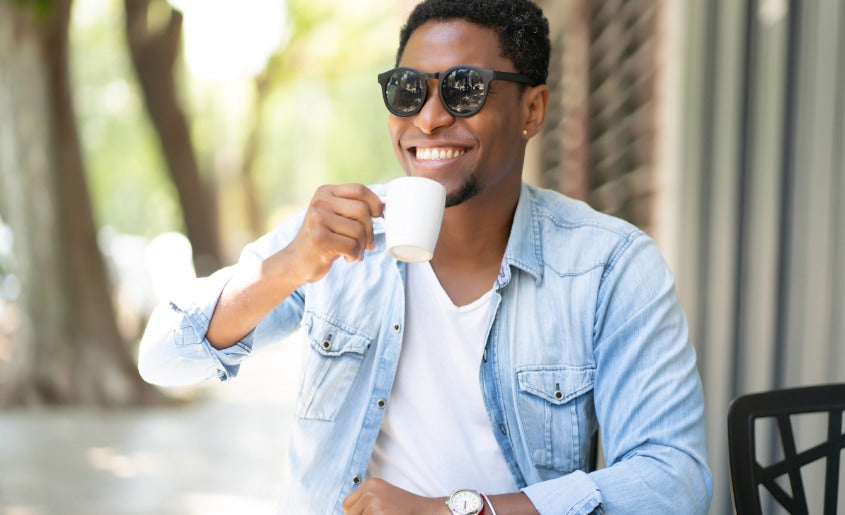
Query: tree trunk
[[68, 348], [255, 213], [154, 54]]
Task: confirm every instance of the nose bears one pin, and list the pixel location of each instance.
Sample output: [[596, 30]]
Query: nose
[[433, 114]]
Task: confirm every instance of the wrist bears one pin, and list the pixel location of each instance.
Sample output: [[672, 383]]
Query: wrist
[[439, 507], [488, 506]]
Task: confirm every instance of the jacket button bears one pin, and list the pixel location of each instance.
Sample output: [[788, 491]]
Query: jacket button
[[381, 403], [558, 394], [356, 480], [326, 344], [396, 328]]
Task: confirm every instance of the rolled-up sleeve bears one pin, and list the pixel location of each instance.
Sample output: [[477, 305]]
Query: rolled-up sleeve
[[576, 493], [174, 350]]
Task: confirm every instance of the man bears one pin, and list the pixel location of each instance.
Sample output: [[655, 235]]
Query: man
[[488, 370]]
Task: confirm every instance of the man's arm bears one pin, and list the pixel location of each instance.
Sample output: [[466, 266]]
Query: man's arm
[[647, 395], [206, 330], [338, 223], [376, 496]]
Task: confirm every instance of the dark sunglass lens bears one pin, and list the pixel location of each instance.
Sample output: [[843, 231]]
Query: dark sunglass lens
[[404, 92], [463, 91]]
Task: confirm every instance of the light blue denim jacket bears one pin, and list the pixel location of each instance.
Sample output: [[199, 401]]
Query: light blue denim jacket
[[585, 330]]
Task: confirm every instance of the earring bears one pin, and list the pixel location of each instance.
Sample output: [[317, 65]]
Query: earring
[[525, 132]]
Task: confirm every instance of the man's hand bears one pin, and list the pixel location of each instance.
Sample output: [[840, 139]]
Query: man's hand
[[376, 496], [338, 223]]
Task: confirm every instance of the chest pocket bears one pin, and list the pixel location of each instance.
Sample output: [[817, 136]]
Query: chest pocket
[[331, 364], [555, 405]]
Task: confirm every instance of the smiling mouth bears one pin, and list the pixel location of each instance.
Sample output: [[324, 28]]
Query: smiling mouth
[[437, 153]]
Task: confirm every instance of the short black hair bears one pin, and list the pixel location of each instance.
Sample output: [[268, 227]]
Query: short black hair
[[522, 28]]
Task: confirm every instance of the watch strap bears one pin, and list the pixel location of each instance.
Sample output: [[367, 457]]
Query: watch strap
[[486, 504]]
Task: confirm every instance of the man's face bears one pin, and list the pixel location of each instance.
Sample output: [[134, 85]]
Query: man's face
[[475, 157]]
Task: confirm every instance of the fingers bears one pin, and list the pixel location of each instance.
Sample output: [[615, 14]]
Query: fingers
[[375, 495], [347, 211], [360, 193], [365, 498], [349, 504], [349, 218], [339, 222], [335, 236]]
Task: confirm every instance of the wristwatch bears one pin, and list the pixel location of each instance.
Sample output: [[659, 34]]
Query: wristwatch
[[465, 502]]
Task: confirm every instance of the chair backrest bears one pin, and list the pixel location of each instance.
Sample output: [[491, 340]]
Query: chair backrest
[[747, 474]]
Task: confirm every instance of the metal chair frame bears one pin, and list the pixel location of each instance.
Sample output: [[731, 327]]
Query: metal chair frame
[[747, 473]]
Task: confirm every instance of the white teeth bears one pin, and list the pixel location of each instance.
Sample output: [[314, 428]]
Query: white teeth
[[432, 154]]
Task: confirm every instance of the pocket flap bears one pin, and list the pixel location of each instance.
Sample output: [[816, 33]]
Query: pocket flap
[[331, 338], [558, 384]]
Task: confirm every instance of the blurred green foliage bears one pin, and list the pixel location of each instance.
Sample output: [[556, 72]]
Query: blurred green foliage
[[322, 119], [41, 8]]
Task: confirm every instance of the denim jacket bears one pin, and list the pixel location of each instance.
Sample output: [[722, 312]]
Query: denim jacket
[[585, 331]]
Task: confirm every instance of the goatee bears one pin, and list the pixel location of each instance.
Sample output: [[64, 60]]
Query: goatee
[[469, 189]]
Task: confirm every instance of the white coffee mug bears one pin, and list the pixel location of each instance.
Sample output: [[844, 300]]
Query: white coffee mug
[[412, 217]]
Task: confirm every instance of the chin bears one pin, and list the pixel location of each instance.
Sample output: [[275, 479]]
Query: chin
[[469, 189]]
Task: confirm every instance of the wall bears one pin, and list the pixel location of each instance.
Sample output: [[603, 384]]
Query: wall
[[759, 178]]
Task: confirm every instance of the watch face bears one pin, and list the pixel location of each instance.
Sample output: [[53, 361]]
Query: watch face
[[465, 502]]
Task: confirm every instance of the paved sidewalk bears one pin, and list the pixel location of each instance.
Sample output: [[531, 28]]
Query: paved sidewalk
[[221, 455]]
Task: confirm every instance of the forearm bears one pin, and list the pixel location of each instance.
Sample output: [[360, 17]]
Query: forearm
[[252, 293], [378, 496], [504, 504]]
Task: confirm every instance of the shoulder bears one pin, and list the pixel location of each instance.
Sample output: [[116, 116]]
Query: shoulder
[[575, 237]]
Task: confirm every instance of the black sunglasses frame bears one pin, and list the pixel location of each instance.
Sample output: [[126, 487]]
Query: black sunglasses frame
[[486, 75]]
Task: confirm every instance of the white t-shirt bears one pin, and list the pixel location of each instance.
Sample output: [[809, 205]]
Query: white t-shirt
[[435, 436]]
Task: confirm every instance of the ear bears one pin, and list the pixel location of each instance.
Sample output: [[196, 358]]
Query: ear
[[535, 103]]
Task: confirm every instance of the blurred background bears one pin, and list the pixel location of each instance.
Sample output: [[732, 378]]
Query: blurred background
[[144, 141]]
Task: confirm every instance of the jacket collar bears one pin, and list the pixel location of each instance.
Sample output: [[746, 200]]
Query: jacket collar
[[525, 246]]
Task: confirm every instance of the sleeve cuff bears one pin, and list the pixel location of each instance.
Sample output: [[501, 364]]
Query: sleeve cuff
[[573, 494], [198, 313]]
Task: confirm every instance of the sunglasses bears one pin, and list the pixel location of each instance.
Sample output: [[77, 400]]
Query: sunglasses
[[463, 88]]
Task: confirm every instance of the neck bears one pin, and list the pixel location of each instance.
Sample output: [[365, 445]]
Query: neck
[[471, 245], [470, 236]]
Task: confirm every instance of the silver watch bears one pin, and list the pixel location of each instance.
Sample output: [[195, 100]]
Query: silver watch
[[465, 502]]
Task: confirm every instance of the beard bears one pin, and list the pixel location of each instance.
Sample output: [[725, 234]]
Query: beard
[[468, 189]]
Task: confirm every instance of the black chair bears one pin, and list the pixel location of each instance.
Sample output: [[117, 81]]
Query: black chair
[[747, 474]]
